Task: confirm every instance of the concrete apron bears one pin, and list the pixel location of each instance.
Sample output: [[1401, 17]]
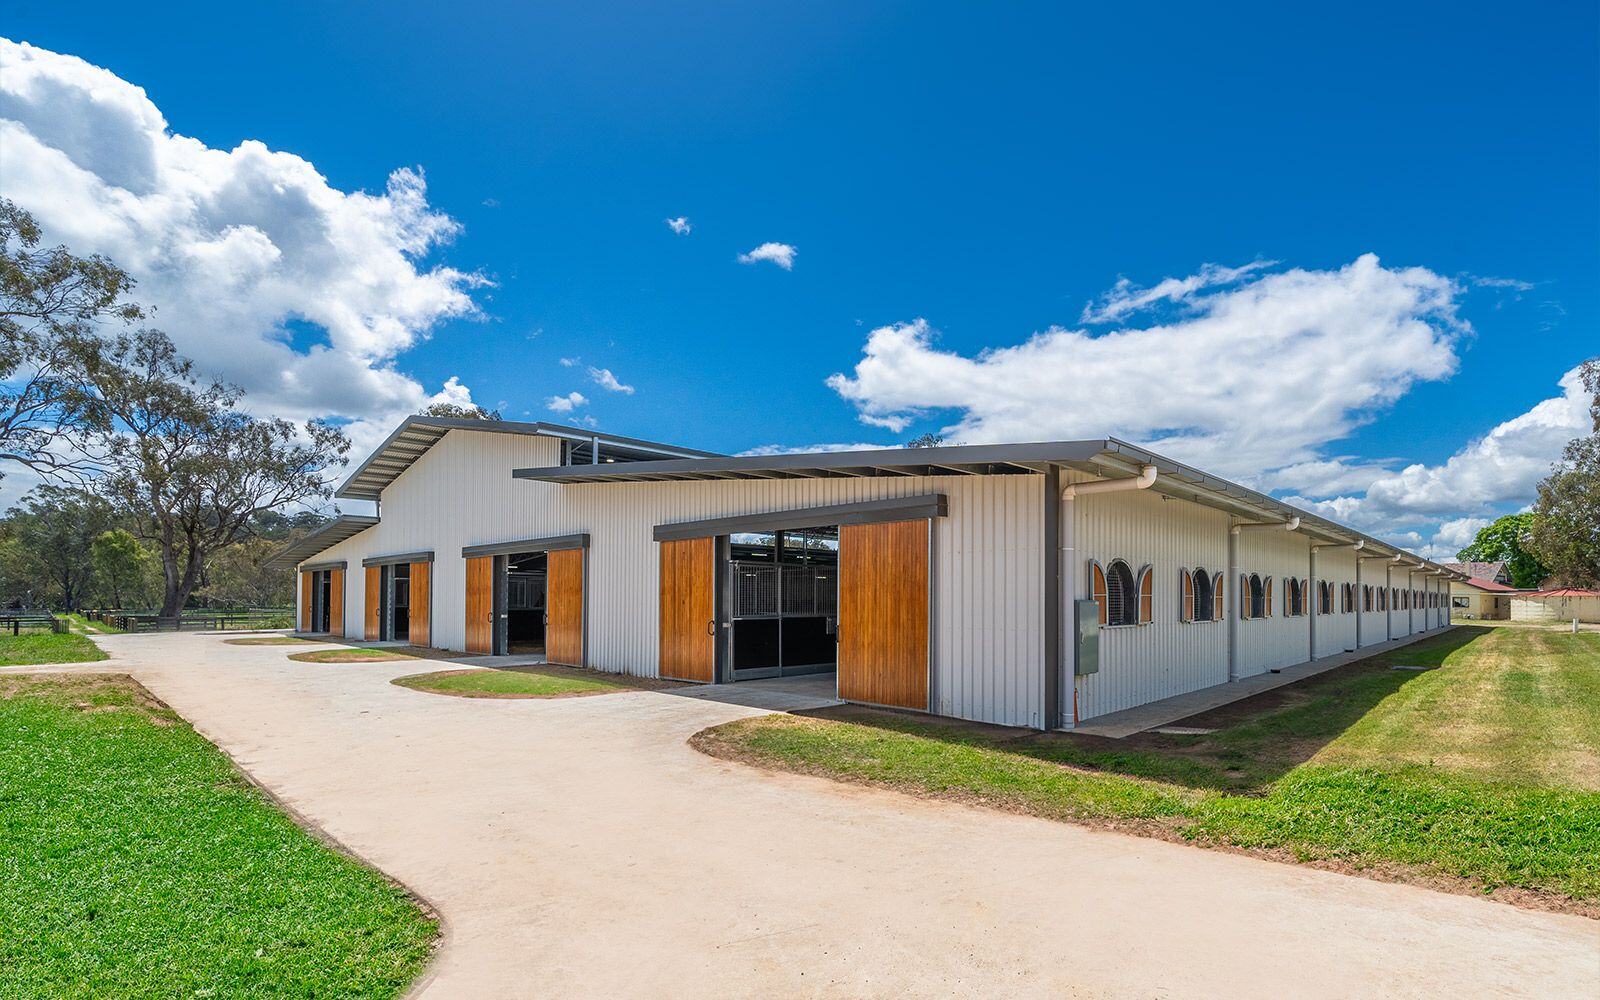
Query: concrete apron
[[579, 847]]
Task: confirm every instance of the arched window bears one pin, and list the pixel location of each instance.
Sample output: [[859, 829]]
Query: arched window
[[1199, 600], [1256, 592], [1124, 598], [1347, 598], [1293, 599], [1366, 597], [1216, 597]]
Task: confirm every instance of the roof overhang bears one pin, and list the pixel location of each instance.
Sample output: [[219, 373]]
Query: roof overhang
[[417, 434], [1106, 458], [335, 531]]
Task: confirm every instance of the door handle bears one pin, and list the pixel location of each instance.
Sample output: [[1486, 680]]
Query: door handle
[[711, 627]]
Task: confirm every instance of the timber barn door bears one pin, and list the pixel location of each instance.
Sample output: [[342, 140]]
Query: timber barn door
[[480, 604], [374, 603], [305, 601], [883, 613], [688, 610], [563, 637], [336, 602], [421, 604]]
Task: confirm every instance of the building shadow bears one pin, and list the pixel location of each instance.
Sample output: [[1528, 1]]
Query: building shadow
[[1244, 747]]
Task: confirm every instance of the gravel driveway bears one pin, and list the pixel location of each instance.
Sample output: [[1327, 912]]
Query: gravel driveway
[[578, 847]]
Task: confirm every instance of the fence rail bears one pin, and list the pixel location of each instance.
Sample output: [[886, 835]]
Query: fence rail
[[32, 621], [195, 619]]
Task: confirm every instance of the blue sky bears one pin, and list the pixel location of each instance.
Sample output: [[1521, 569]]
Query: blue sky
[[990, 170]]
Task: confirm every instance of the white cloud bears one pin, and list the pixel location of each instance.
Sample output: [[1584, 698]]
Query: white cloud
[[603, 378], [257, 267], [680, 225], [781, 254], [1498, 469], [1126, 298], [784, 449], [567, 403], [569, 362], [1255, 378]]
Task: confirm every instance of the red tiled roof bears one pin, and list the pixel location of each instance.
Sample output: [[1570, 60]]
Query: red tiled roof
[[1498, 588], [1564, 592]]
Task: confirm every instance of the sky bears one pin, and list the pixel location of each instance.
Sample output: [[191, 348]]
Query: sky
[[1346, 255]]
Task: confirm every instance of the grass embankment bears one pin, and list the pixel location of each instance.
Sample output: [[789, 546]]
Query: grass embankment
[[47, 647], [135, 860], [359, 654], [521, 682], [1483, 774]]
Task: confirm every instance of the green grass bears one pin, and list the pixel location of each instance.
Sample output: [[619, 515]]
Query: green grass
[[268, 640], [1484, 772], [135, 860], [82, 624], [48, 647], [351, 654], [537, 682]]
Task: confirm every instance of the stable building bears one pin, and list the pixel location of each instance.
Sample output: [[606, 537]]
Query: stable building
[[1037, 585]]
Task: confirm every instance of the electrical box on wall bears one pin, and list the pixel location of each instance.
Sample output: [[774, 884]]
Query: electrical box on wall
[[1086, 634]]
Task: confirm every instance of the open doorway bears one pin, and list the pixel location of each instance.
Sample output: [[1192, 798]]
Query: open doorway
[[783, 599], [399, 588], [525, 590], [322, 600]]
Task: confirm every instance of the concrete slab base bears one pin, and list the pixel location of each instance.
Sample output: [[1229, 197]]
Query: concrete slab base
[[1118, 725]]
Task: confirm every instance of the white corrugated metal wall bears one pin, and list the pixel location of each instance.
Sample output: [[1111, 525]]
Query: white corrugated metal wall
[[1280, 640], [987, 564], [1336, 632], [1139, 664]]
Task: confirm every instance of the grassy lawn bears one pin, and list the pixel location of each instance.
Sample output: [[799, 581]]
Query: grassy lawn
[[135, 860], [47, 647], [523, 682], [84, 625], [351, 655], [1482, 774]]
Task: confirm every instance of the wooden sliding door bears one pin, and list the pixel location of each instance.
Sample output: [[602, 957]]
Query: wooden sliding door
[[336, 602], [305, 601], [421, 604], [688, 610], [563, 639], [480, 604], [374, 603], [883, 613]]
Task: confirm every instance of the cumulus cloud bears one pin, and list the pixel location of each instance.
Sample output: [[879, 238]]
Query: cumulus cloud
[[566, 404], [1497, 470], [1253, 378], [781, 254], [680, 225], [605, 380], [258, 268], [1126, 298]]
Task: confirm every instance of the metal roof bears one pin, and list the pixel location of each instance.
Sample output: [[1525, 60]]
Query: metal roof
[[417, 433], [330, 534], [1105, 457]]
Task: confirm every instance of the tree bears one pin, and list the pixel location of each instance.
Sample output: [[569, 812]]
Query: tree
[[1566, 526], [51, 304], [119, 564], [1506, 540], [926, 441], [186, 468], [459, 412], [54, 528]]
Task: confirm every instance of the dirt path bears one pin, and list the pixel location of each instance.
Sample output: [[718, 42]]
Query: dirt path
[[579, 847]]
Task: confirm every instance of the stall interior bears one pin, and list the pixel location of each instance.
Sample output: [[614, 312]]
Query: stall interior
[[783, 594]]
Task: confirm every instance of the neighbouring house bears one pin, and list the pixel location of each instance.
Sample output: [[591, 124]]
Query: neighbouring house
[[1481, 598], [1495, 572], [1561, 605], [1025, 584]]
